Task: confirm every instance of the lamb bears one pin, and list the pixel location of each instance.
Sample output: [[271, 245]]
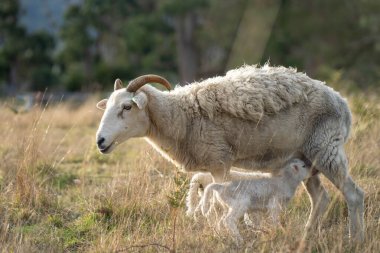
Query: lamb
[[201, 180], [241, 196], [234, 120]]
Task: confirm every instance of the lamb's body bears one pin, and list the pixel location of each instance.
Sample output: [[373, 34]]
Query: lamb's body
[[201, 180], [259, 194], [252, 118]]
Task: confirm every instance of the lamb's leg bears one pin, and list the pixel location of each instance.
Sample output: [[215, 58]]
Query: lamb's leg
[[274, 211], [212, 211], [222, 218], [319, 201], [230, 222]]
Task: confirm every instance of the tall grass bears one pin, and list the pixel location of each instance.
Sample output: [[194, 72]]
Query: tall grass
[[58, 194]]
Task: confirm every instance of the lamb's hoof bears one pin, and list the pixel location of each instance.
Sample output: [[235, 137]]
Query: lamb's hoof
[[248, 222], [238, 241]]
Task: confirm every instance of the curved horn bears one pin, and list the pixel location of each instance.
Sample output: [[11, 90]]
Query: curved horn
[[140, 81]]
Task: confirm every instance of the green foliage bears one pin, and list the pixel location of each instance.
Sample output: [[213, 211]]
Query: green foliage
[[77, 231], [100, 41], [74, 77], [182, 7], [24, 58], [64, 180], [114, 40], [328, 36], [55, 220], [176, 198]]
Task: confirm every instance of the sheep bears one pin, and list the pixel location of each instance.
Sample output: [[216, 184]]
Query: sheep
[[201, 180], [251, 118], [268, 194]]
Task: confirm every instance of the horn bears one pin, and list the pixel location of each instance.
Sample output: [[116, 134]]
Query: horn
[[140, 81]]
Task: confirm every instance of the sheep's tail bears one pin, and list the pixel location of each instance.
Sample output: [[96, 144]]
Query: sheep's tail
[[207, 197], [192, 197], [348, 120]]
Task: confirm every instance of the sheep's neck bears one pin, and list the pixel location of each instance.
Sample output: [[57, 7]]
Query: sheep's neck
[[167, 124]]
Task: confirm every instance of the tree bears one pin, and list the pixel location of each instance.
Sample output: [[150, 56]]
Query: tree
[[12, 41], [333, 37], [105, 40], [25, 59]]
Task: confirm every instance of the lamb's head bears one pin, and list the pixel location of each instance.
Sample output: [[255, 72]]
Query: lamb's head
[[298, 170], [125, 113]]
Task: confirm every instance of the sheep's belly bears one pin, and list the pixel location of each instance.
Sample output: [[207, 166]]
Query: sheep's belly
[[253, 163]]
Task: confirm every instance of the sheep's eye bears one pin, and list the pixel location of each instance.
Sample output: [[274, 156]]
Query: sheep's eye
[[127, 107]]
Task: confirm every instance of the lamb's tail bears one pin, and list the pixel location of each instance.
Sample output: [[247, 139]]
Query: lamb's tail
[[207, 197]]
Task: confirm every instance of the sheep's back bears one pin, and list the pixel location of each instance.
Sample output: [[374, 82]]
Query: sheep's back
[[250, 92]]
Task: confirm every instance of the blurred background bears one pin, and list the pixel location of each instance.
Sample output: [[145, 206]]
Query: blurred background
[[83, 45]]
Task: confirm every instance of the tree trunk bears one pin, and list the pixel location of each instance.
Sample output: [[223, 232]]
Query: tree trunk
[[188, 59]]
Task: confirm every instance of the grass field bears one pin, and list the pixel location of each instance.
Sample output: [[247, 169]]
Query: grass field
[[59, 194]]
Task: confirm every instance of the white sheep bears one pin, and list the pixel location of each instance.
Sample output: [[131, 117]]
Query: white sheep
[[201, 180], [260, 194], [251, 118]]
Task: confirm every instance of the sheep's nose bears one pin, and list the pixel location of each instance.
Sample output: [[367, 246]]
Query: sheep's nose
[[100, 141]]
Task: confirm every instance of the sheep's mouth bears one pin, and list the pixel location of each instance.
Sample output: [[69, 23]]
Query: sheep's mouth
[[106, 149]]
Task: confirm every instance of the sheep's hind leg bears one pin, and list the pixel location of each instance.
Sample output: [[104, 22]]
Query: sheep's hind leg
[[338, 174], [326, 151]]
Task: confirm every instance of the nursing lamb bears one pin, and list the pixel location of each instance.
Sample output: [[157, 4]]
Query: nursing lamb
[[259, 194], [201, 180]]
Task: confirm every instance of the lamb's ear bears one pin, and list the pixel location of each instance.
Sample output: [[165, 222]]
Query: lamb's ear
[[140, 100], [118, 84], [102, 104]]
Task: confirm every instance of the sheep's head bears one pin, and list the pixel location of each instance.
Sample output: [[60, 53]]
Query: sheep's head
[[125, 113]]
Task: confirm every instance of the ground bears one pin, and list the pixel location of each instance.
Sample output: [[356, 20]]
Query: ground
[[59, 194]]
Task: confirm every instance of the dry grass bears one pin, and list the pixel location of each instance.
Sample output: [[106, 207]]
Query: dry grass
[[58, 194]]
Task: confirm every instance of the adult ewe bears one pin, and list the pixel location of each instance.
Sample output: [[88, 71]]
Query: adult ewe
[[252, 118]]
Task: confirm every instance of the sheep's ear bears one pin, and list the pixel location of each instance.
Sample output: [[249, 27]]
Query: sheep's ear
[[118, 84], [295, 168], [102, 104], [140, 100]]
